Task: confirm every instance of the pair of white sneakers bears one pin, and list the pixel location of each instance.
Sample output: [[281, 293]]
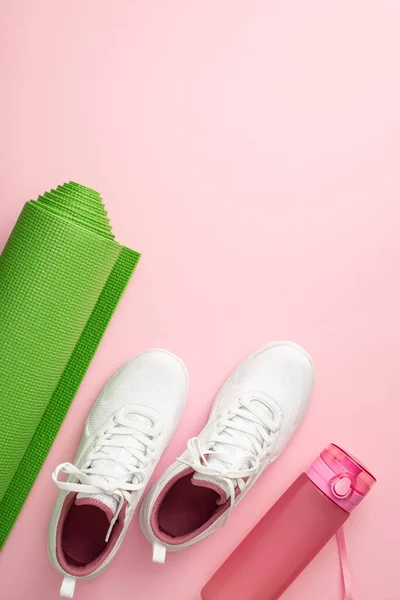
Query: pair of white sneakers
[[252, 420]]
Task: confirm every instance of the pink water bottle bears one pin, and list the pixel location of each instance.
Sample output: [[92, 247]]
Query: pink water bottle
[[293, 531]]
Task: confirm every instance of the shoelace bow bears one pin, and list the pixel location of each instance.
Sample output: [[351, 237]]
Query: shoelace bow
[[117, 486], [253, 422]]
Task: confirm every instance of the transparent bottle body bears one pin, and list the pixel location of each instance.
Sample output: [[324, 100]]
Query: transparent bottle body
[[279, 547]]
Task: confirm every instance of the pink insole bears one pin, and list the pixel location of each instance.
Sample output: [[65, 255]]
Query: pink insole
[[83, 534], [186, 507]]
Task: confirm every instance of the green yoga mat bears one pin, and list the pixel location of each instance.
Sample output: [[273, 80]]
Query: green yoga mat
[[61, 277]]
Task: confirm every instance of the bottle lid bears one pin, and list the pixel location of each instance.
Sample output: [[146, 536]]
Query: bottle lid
[[340, 476]]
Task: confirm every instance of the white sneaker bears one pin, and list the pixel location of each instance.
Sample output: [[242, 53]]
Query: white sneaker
[[252, 420], [125, 434]]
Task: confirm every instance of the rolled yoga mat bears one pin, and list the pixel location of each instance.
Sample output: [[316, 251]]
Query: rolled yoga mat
[[61, 277]]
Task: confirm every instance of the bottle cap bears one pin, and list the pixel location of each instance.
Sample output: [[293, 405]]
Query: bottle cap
[[340, 476]]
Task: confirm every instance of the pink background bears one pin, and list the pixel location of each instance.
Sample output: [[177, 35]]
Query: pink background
[[251, 150]]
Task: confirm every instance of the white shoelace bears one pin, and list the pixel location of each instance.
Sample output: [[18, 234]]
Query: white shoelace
[[119, 486], [251, 432]]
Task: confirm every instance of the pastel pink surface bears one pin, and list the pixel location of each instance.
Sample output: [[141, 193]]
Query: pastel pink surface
[[251, 151]]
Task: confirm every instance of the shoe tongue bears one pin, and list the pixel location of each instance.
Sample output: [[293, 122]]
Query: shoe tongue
[[234, 451], [212, 484], [116, 453], [92, 501]]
